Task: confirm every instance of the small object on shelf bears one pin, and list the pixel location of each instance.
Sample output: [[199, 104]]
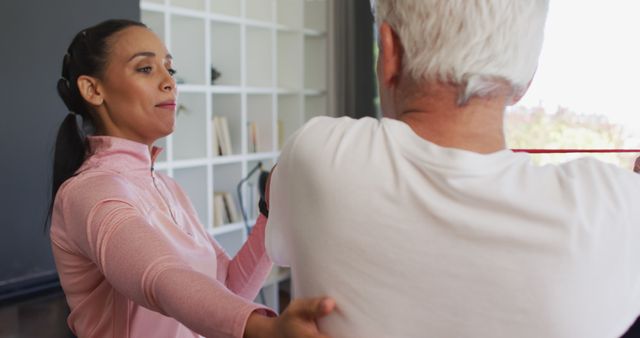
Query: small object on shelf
[[181, 108], [215, 74]]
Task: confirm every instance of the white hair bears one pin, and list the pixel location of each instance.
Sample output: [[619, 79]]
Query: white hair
[[473, 44]]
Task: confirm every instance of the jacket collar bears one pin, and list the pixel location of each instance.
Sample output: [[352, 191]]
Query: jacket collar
[[119, 154]]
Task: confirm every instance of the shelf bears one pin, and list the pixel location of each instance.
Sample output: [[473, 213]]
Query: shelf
[[289, 116], [261, 10], [225, 48], [261, 156], [226, 19], [315, 106], [191, 88], [187, 12], [192, 180], [229, 106], [226, 89], [222, 160], [198, 5], [155, 22], [277, 275], [259, 56], [153, 5], [226, 7], [289, 60], [161, 167], [315, 15], [289, 13], [187, 47], [189, 163], [190, 135], [231, 241], [312, 33], [258, 24], [315, 76], [314, 92], [260, 112], [259, 90]]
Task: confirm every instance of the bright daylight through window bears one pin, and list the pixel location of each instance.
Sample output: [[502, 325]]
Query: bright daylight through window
[[585, 92]]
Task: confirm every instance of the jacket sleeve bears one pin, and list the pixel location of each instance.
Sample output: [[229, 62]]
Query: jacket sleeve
[[247, 271]]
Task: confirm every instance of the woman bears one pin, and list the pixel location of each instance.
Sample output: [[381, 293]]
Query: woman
[[132, 257]]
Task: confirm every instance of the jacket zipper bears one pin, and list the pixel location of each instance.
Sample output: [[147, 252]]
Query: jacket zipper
[[155, 184]]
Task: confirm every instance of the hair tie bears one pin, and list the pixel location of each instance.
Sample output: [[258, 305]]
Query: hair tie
[[66, 81]]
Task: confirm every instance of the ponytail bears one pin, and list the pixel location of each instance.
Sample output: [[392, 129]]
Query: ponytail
[[69, 154]]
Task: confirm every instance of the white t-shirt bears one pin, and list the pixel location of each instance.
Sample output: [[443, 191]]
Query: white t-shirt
[[416, 240]]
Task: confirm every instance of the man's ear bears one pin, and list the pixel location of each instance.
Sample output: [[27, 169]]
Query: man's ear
[[390, 56], [90, 90]]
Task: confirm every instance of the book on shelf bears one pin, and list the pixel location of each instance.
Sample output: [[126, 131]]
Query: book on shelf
[[281, 131], [218, 210], [252, 132], [230, 207], [215, 145], [224, 209], [222, 135]]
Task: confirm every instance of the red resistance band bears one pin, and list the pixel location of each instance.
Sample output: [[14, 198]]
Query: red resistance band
[[565, 151]]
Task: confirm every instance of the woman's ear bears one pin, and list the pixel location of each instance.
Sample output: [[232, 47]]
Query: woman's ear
[[90, 90]]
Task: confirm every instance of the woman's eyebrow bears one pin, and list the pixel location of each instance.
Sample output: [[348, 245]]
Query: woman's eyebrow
[[148, 54]]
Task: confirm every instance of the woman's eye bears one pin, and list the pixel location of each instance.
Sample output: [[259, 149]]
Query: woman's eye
[[146, 69], [172, 71]]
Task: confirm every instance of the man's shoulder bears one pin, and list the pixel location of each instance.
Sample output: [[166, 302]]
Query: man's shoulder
[[325, 135], [587, 167], [327, 130], [345, 123], [605, 180]]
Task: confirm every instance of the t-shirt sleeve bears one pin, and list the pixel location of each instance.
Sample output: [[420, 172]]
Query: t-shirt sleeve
[[303, 155], [103, 223]]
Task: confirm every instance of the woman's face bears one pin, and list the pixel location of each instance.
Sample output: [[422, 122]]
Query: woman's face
[[137, 88]]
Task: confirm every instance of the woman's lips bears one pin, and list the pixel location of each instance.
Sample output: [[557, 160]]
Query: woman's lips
[[167, 105]]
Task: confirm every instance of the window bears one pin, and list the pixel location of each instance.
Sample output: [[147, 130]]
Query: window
[[584, 94]]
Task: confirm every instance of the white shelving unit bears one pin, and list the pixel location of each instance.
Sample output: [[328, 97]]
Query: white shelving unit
[[274, 64]]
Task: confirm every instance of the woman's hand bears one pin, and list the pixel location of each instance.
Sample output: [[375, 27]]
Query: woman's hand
[[297, 321]]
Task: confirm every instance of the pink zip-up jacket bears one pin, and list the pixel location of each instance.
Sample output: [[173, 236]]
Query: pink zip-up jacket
[[133, 259]]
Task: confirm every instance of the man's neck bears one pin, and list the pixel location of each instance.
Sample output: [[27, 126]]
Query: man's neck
[[476, 126]]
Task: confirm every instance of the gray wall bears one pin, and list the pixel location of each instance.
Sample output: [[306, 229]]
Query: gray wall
[[34, 36]]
